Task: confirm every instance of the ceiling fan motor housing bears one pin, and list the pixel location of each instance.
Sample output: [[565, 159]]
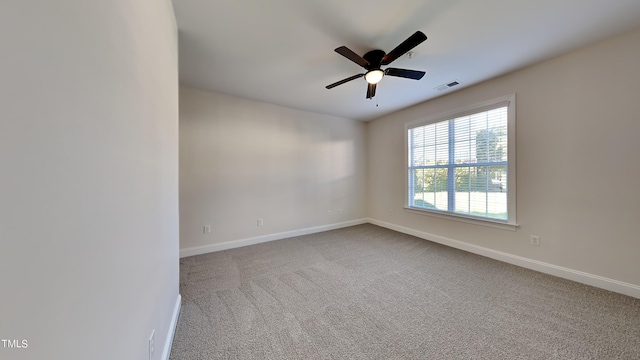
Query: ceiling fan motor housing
[[374, 57]]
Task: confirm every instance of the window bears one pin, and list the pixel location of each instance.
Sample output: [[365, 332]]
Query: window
[[463, 163]]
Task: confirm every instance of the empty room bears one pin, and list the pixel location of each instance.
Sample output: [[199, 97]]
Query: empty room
[[416, 179]]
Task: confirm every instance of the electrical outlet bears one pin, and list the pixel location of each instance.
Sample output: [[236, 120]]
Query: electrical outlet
[[260, 222], [329, 213], [206, 229], [534, 240], [152, 344]]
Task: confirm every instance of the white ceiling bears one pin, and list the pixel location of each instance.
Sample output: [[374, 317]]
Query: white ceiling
[[281, 51]]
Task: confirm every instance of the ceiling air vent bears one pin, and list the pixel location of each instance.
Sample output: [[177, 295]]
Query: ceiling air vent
[[448, 85]]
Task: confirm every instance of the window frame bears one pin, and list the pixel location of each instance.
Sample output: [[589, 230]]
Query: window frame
[[510, 223]]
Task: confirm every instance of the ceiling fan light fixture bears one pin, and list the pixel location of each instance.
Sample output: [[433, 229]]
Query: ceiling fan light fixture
[[374, 76]]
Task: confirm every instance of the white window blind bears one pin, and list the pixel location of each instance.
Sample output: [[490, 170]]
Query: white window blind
[[461, 165]]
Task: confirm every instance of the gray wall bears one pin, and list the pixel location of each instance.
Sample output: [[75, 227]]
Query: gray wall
[[89, 162], [241, 160], [577, 162]]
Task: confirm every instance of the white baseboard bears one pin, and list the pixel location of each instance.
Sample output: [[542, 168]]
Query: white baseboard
[[265, 238], [559, 271], [166, 352]]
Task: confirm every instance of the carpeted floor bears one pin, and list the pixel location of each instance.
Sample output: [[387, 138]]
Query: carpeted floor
[[365, 292]]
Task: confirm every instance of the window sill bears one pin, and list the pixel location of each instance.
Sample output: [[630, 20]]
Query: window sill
[[465, 219]]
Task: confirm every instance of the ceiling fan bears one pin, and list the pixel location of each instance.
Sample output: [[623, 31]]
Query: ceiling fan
[[372, 61]]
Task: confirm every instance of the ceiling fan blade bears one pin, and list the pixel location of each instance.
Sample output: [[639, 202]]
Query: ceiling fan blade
[[411, 42], [344, 81], [404, 73], [346, 52], [371, 90]]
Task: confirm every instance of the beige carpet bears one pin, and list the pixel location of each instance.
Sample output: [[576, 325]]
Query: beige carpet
[[366, 292]]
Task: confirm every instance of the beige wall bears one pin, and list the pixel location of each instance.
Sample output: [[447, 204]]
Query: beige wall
[[577, 162], [241, 160], [89, 173]]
